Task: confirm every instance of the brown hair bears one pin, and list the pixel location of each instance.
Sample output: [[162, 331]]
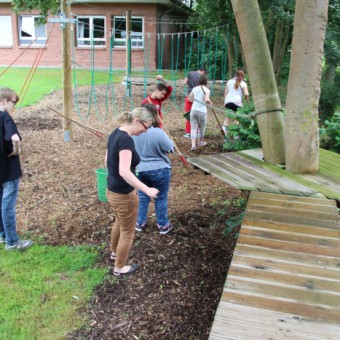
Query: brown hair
[[203, 80], [9, 94], [239, 77]]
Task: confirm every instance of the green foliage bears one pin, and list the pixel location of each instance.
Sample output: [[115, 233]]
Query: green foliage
[[330, 134], [329, 98], [232, 223], [43, 289], [247, 131], [45, 6]]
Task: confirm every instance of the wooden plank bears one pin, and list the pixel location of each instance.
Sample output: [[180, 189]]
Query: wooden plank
[[280, 280], [287, 256], [302, 309], [223, 175], [284, 267], [221, 164], [286, 219], [293, 199], [291, 228], [254, 174], [291, 237], [280, 292], [285, 185], [290, 246], [313, 214], [328, 192], [291, 324]]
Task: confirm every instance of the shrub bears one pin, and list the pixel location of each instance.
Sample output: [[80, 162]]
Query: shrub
[[330, 134]]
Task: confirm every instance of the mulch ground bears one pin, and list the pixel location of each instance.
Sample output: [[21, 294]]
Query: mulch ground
[[175, 293]]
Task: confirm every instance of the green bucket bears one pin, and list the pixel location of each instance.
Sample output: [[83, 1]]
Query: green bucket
[[102, 184]]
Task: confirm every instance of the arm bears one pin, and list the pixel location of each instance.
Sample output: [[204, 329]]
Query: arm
[[246, 93], [191, 97], [125, 157], [185, 81], [226, 90], [162, 80], [207, 97]]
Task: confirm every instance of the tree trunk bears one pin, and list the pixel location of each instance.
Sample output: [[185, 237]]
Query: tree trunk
[[262, 80], [302, 135], [231, 56]]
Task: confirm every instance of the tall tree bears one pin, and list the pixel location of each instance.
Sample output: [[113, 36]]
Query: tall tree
[[302, 137], [262, 79], [45, 6]]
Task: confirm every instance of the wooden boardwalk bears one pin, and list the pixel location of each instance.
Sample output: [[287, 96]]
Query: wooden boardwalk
[[247, 171], [284, 279]]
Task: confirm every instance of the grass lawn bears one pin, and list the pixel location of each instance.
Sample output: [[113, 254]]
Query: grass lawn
[[42, 289], [46, 80]]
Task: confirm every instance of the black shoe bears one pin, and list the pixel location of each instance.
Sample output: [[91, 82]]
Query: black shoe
[[133, 268], [166, 229]]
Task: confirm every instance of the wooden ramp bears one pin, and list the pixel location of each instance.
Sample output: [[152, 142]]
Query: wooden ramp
[[246, 170], [284, 279]]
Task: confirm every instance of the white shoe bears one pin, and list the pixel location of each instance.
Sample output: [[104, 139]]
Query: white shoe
[[20, 245]]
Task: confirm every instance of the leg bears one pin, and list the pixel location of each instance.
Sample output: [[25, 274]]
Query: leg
[[144, 200], [161, 180], [194, 127], [203, 124], [187, 108], [8, 227], [125, 207]]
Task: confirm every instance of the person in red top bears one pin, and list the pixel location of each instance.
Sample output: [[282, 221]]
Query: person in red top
[[162, 92]]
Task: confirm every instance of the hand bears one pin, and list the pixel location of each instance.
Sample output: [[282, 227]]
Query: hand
[[159, 77], [152, 192]]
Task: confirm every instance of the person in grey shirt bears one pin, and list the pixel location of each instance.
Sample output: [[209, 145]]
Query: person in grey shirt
[[154, 169]]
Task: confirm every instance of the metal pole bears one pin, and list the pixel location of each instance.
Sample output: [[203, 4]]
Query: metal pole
[[128, 53]]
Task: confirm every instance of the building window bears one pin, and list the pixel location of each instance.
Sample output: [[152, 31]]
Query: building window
[[30, 31], [119, 32], [6, 40], [91, 31]]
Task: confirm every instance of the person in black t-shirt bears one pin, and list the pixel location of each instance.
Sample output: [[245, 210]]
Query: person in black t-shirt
[[10, 172], [121, 160]]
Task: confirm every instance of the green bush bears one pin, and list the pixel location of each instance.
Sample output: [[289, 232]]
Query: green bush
[[247, 131], [329, 99], [330, 134]]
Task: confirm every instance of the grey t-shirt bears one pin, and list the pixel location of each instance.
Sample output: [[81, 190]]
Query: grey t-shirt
[[193, 80], [152, 147]]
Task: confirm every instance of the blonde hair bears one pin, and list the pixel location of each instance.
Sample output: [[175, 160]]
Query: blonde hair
[[140, 113], [7, 93]]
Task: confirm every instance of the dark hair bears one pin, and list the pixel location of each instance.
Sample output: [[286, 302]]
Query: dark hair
[[203, 79], [202, 69], [161, 87], [152, 109]]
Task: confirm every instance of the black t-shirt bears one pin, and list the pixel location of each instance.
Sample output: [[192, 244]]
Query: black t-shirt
[[118, 141], [10, 168]]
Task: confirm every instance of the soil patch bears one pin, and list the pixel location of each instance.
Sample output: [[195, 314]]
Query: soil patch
[[175, 293]]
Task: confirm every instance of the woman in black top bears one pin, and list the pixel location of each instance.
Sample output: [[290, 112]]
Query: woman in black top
[[121, 160]]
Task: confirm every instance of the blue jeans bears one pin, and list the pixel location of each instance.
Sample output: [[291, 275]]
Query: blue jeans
[[159, 179], [8, 223]]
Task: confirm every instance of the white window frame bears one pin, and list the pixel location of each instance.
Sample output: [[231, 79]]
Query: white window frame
[[35, 37], [90, 41], [6, 40], [137, 38]]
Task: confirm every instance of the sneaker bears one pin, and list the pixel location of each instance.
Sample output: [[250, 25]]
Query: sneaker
[[140, 227], [202, 143], [20, 245], [165, 230], [2, 240], [193, 148], [186, 135]]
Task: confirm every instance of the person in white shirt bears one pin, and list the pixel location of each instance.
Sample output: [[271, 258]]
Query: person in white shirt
[[235, 89], [198, 115]]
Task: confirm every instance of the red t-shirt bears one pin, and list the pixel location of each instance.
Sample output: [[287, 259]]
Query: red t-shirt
[[158, 102]]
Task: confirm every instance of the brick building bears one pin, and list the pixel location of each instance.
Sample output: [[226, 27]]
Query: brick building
[[99, 25]]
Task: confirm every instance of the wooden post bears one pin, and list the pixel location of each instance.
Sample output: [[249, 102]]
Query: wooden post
[[67, 83], [128, 53]]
